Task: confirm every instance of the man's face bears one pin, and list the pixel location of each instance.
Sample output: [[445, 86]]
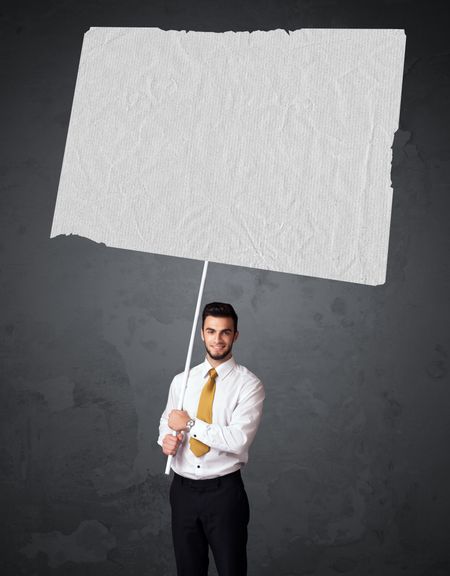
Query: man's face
[[218, 335]]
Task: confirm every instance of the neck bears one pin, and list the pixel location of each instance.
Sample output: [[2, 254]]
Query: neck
[[215, 363]]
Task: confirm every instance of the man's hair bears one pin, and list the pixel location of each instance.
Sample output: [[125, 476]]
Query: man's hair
[[221, 310]]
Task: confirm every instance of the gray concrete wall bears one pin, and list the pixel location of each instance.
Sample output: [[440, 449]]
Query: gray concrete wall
[[350, 471]]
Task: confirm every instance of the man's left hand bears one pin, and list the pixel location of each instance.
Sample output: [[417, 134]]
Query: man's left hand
[[178, 419]]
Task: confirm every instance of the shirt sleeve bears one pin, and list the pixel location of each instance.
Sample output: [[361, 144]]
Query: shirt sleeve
[[240, 432], [171, 405]]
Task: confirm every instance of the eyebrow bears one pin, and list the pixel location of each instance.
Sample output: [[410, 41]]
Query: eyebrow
[[212, 330]]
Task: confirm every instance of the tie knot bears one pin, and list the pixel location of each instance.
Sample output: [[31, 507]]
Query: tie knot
[[213, 373]]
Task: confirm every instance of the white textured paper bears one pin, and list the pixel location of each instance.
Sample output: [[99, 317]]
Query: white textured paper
[[262, 149]]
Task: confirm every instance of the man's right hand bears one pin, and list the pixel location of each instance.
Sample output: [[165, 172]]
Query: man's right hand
[[170, 444]]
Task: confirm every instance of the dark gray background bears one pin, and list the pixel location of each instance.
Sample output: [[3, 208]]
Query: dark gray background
[[350, 470]]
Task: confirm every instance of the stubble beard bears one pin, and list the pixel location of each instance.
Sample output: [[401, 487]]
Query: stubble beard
[[219, 356]]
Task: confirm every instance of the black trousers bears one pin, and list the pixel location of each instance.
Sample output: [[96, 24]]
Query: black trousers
[[210, 512]]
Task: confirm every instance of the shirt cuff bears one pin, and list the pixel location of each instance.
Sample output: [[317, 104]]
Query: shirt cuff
[[199, 430]]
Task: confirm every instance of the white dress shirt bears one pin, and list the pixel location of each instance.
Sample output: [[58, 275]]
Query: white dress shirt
[[237, 410]]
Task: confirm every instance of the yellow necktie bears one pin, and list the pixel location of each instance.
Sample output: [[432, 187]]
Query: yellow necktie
[[204, 412]]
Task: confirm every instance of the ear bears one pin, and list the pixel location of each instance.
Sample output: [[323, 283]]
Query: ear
[[236, 335], [201, 334]]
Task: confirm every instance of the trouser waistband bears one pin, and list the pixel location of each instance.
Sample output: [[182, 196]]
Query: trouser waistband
[[210, 482]]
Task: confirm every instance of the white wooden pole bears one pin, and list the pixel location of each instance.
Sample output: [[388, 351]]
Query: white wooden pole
[[187, 366]]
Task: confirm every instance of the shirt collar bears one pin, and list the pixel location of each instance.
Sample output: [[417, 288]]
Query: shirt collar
[[222, 370]]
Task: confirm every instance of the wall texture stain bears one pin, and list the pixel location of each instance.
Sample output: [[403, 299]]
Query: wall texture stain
[[90, 542], [349, 472]]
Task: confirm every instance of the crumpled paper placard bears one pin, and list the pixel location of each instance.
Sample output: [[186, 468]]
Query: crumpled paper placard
[[265, 149]]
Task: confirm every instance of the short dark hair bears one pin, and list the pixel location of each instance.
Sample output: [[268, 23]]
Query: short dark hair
[[221, 310]]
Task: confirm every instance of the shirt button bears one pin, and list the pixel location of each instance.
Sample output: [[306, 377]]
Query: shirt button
[[198, 465], [195, 435]]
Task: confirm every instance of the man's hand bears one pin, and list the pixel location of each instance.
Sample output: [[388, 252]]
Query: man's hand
[[178, 420], [170, 443]]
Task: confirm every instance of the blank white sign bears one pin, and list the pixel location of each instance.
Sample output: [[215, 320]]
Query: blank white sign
[[265, 149]]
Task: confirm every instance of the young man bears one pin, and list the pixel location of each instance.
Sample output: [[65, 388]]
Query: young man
[[222, 410]]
